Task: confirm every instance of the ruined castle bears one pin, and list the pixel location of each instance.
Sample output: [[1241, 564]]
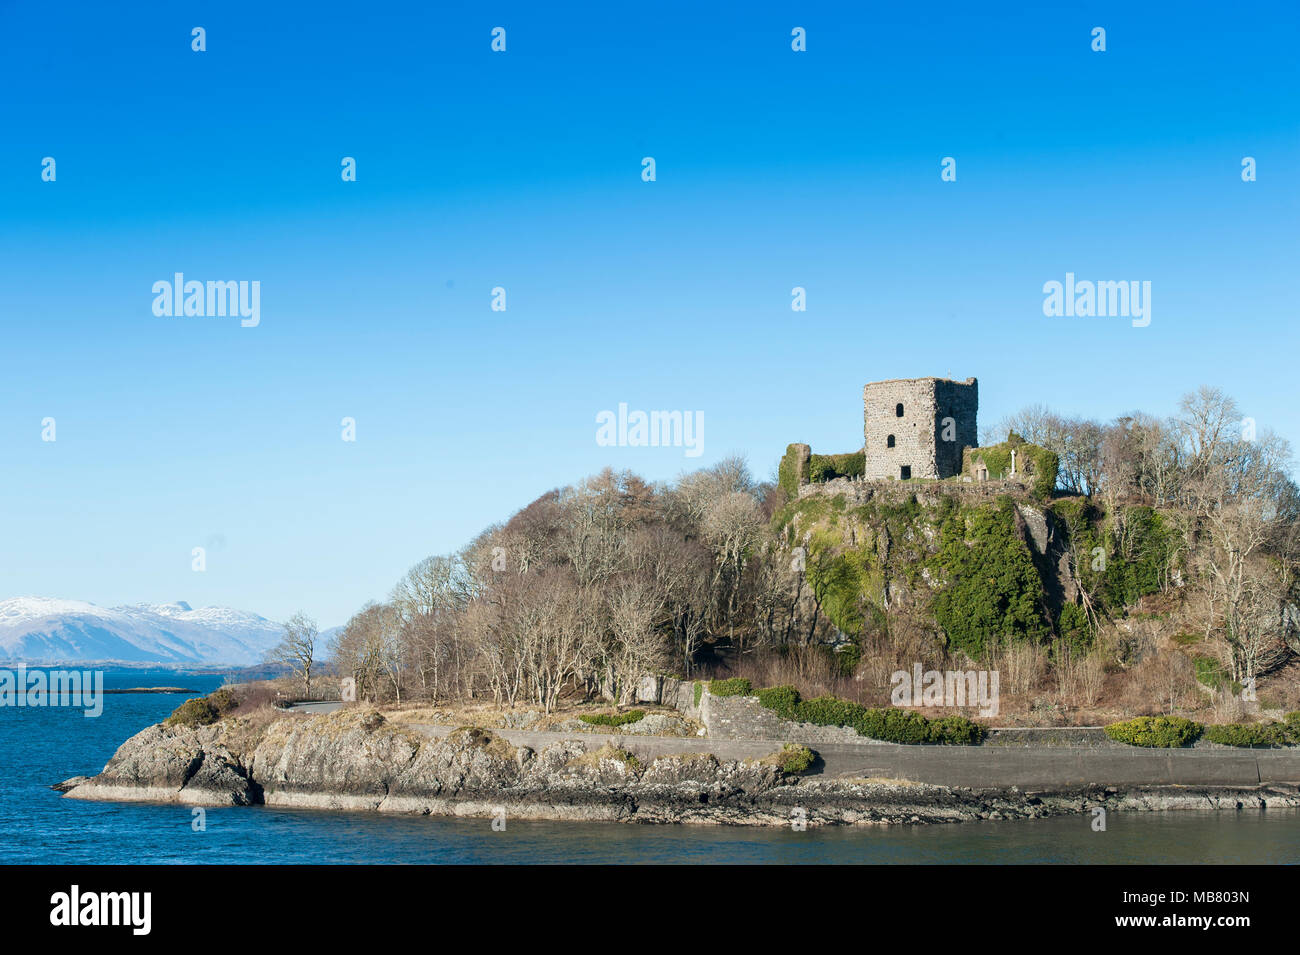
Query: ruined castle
[[918, 427]]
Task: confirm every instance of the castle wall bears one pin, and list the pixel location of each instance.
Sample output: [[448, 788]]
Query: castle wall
[[918, 433], [960, 401]]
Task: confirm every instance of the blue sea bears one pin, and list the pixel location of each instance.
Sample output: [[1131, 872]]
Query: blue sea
[[42, 746]]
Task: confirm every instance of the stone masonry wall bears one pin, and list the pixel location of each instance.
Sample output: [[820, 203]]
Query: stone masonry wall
[[960, 401], [860, 490], [743, 717], [917, 432]]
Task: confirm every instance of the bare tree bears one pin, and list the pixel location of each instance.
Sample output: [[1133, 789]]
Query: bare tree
[[358, 650], [297, 649], [427, 600], [1238, 490]]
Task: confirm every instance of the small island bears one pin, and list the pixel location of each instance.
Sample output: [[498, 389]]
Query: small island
[[929, 629]]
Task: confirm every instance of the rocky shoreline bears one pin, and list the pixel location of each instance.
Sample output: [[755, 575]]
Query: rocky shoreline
[[354, 759]]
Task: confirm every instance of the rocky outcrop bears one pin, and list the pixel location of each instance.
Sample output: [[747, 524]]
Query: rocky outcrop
[[353, 759], [173, 764]]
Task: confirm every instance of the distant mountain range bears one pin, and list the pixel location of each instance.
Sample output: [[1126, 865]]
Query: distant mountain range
[[42, 630]]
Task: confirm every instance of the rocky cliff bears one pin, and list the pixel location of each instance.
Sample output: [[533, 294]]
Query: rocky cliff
[[355, 760]]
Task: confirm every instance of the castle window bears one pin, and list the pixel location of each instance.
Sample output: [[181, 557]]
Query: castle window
[[898, 410], [905, 472], [889, 441]]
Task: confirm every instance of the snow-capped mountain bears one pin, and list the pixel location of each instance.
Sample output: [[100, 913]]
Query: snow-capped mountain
[[42, 630]]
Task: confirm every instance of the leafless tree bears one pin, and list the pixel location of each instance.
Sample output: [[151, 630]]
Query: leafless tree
[[297, 649]]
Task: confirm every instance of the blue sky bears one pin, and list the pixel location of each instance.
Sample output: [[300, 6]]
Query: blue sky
[[522, 170]]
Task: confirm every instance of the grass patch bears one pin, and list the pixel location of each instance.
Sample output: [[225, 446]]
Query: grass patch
[[792, 758]]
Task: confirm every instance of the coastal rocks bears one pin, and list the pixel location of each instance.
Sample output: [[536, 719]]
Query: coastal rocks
[[467, 760], [346, 759], [70, 784], [354, 759], [172, 764], [520, 720]]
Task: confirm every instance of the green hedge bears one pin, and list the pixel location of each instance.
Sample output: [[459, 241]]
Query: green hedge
[[1157, 731], [612, 719], [1255, 734], [891, 725], [736, 686], [781, 700]]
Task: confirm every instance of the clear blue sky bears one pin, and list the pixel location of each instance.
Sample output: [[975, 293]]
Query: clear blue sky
[[475, 169]]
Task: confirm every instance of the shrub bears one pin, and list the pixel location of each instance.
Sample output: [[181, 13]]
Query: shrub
[[872, 724], [993, 587], [828, 467], [699, 692], [1254, 734], [736, 686], [781, 700], [203, 710], [794, 758], [830, 711], [1158, 731], [893, 725], [612, 719], [906, 726], [956, 731]]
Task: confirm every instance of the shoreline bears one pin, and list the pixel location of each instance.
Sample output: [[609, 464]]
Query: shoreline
[[354, 760], [869, 806]]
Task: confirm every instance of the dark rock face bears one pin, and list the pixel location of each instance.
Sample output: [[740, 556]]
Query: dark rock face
[[354, 759], [173, 764]]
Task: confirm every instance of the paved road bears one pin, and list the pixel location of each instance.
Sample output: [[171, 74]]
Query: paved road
[[974, 766], [323, 707], [1034, 767]]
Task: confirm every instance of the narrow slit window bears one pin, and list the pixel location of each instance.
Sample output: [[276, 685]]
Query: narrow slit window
[[889, 441], [898, 410]]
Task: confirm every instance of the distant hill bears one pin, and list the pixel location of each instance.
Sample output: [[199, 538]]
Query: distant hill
[[44, 630]]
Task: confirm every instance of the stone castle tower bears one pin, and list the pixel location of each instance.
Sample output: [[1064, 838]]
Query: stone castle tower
[[918, 427]]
